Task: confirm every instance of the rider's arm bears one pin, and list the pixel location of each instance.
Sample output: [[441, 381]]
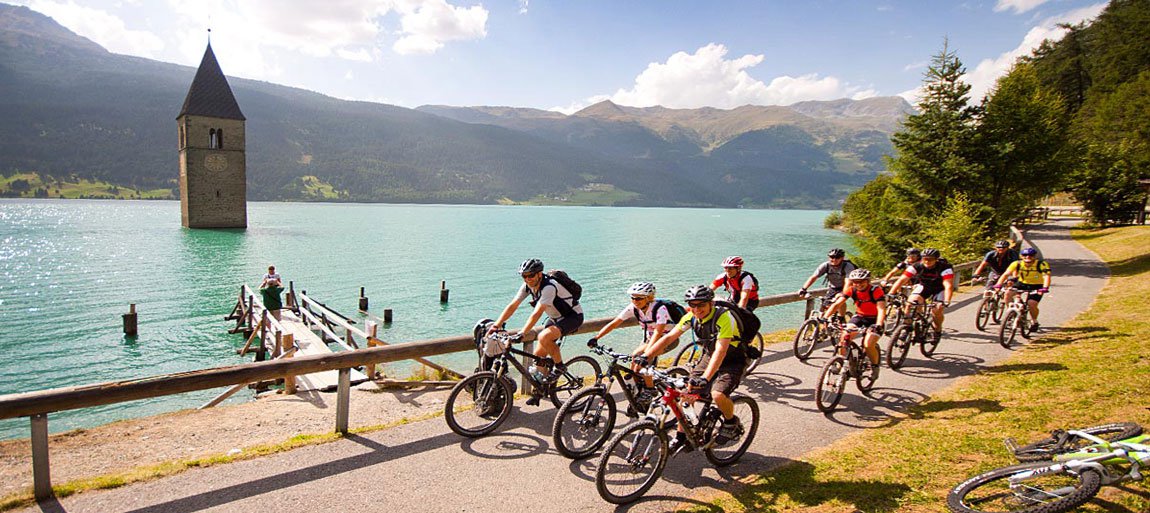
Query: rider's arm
[[881, 304], [899, 283], [981, 266], [1006, 275], [507, 313], [656, 348], [535, 315], [718, 282], [839, 300], [609, 327], [947, 289], [656, 334]]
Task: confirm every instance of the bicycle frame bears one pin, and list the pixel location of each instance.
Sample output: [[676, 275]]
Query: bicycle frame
[[672, 404], [617, 372], [1133, 451]]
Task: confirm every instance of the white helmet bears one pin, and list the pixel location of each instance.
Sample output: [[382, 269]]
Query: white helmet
[[642, 288], [859, 274]]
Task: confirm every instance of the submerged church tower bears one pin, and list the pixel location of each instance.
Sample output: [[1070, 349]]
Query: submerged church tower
[[213, 165]]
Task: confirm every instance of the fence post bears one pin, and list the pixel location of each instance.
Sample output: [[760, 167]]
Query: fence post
[[343, 397], [372, 335], [262, 350], [810, 307], [524, 381], [287, 341], [41, 475]]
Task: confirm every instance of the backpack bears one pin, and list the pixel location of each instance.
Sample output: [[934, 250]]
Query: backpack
[[674, 310], [748, 324], [559, 276], [739, 282], [564, 279]]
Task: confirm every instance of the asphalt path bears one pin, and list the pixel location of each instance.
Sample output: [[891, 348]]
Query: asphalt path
[[425, 467]]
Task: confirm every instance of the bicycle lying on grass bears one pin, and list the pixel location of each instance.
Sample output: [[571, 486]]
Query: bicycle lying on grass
[[1079, 463], [636, 456], [481, 402], [585, 421], [918, 328], [850, 361]]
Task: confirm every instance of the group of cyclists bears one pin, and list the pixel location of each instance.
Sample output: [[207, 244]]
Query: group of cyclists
[[716, 328]]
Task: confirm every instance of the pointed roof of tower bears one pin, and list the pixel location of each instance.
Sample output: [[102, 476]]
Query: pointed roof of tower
[[210, 94]]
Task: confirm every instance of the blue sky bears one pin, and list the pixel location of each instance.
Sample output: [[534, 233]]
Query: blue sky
[[565, 55]]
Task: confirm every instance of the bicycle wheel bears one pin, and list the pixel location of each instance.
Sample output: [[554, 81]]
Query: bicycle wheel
[[478, 404], [757, 343], [898, 346], [806, 339], [1008, 329], [868, 372], [689, 355], [1048, 492], [747, 410], [929, 340], [633, 461], [1024, 324], [581, 373], [584, 423], [832, 381], [999, 309], [1061, 442], [893, 317], [984, 313]]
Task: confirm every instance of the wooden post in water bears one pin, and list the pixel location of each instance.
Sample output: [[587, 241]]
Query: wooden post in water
[[372, 341], [130, 321], [443, 292], [387, 316], [261, 349], [362, 300], [290, 299], [287, 341], [41, 475]]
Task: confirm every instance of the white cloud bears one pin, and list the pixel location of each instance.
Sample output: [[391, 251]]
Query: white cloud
[[1019, 6], [105, 29], [984, 75], [359, 54], [349, 75], [707, 78], [523, 4], [427, 24]]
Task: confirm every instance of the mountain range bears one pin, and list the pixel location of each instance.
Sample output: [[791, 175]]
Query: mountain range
[[71, 109]]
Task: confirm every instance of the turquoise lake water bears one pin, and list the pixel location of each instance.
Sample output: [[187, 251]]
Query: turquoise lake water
[[69, 269]]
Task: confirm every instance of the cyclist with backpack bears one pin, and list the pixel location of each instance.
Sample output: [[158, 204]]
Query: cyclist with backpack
[[555, 299], [656, 316], [933, 277], [835, 270], [742, 286], [870, 312], [913, 255], [998, 259], [1031, 275], [723, 364]]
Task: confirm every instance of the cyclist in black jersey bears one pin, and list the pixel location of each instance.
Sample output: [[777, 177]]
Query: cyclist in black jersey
[[997, 260], [934, 278], [913, 255]]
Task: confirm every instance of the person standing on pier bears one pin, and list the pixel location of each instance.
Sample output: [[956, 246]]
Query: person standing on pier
[[270, 288]]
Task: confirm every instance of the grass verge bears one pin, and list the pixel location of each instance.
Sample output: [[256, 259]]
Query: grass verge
[[1092, 371]]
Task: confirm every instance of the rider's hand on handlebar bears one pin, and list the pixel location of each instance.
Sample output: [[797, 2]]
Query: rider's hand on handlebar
[[698, 383], [517, 337], [802, 292], [997, 286], [640, 360], [593, 342]]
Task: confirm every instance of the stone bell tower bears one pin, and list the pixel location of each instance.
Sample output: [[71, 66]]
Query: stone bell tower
[[213, 165]]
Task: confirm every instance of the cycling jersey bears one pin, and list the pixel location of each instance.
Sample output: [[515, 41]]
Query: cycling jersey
[[836, 275], [998, 263], [551, 291], [1030, 274], [744, 281], [712, 328], [866, 302], [931, 278], [648, 317]]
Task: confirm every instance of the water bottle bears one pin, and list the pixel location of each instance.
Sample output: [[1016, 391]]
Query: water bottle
[[537, 374], [692, 417]]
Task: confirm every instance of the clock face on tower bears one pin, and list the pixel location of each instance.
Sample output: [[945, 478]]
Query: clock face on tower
[[216, 162]]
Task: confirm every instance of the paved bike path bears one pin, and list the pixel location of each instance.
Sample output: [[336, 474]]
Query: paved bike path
[[425, 467]]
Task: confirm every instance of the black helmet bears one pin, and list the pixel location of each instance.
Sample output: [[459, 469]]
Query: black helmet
[[930, 253], [1002, 244], [699, 293], [531, 266], [836, 253], [913, 252]]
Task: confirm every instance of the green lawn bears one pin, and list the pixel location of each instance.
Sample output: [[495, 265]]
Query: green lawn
[[32, 185], [1095, 370]]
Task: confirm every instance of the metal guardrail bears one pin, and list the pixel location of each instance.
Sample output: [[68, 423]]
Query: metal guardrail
[[37, 405]]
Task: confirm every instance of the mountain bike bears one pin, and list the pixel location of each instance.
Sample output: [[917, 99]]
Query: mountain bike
[[1061, 442], [917, 327], [816, 329], [990, 308], [690, 354], [895, 308], [586, 419], [1066, 481], [1016, 321], [481, 402], [849, 361], [636, 456]]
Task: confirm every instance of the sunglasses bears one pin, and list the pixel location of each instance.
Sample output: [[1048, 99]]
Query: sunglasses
[[527, 276], [696, 304], [638, 298]]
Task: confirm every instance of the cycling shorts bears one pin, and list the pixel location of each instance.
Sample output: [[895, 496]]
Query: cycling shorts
[[567, 324], [863, 322], [921, 290], [1031, 290], [726, 379]]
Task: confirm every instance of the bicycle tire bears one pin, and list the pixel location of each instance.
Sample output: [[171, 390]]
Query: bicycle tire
[[1024, 324], [806, 339], [898, 346], [1008, 329], [984, 313], [1062, 443], [483, 391], [689, 355], [591, 411], [1067, 492], [999, 309], [929, 342], [832, 381], [744, 406], [893, 318], [582, 372], [630, 450], [757, 343], [865, 380]]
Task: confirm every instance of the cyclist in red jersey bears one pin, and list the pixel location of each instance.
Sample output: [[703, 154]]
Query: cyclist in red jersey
[[870, 311], [742, 286]]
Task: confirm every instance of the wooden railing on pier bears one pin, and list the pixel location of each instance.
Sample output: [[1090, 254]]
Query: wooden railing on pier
[[37, 405]]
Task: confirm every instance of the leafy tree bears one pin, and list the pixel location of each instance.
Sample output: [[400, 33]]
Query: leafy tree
[[959, 233], [1107, 185]]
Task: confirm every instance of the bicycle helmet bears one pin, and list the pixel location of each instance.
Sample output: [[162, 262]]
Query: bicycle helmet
[[699, 293], [531, 266], [642, 288], [1028, 252], [733, 261], [1002, 244], [859, 274], [913, 252], [931, 253], [836, 253]]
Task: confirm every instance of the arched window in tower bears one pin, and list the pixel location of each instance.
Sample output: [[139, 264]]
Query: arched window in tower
[[219, 138], [213, 139]]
